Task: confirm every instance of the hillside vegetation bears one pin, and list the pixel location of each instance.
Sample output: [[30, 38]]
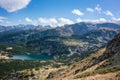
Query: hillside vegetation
[[105, 61]]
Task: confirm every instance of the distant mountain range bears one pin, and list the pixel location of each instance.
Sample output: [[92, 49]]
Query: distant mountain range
[[67, 30], [69, 41], [21, 27], [78, 28]]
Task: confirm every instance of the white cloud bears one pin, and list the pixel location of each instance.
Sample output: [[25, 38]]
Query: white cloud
[[33, 22], [116, 20], [13, 5], [79, 20], [2, 19], [90, 10], [28, 19], [101, 20], [63, 21], [109, 13], [98, 8], [77, 12], [51, 21]]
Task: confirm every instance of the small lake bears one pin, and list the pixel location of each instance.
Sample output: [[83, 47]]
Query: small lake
[[31, 57]]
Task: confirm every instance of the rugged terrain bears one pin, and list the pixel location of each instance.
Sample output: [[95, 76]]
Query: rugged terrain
[[104, 64], [82, 51]]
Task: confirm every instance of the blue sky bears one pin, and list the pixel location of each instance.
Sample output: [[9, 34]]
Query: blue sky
[[58, 12]]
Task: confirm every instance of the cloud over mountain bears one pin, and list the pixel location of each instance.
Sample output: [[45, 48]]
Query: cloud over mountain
[[53, 22]]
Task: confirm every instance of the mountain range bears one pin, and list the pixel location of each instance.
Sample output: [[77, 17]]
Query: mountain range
[[81, 51], [69, 41]]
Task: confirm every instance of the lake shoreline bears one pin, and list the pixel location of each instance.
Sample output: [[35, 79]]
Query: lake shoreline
[[31, 57]]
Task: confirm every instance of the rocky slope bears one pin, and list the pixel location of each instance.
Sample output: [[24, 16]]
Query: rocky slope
[[105, 61]]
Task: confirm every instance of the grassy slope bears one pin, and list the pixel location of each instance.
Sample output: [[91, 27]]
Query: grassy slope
[[100, 71], [76, 67], [87, 67]]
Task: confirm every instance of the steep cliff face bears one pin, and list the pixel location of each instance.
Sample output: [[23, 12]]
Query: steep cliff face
[[112, 53], [113, 46], [112, 49]]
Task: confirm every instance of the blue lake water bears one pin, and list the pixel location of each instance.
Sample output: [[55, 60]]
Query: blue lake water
[[31, 57]]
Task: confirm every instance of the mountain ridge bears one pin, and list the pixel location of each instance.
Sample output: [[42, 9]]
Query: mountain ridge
[[69, 41]]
